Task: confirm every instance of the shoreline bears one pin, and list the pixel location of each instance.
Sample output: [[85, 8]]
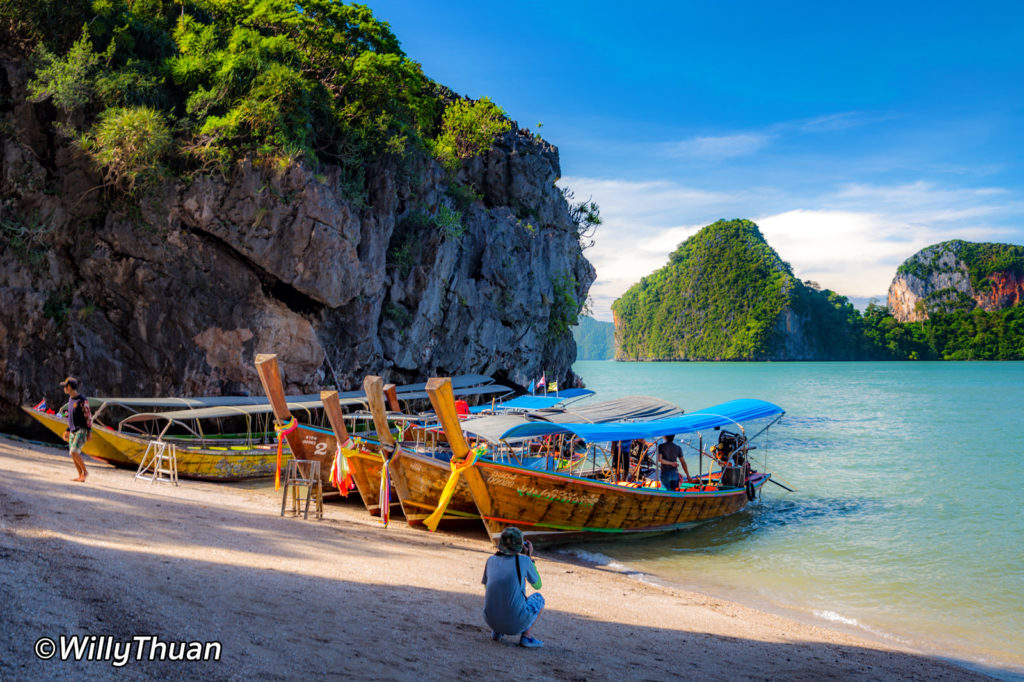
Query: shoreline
[[207, 561], [835, 621]]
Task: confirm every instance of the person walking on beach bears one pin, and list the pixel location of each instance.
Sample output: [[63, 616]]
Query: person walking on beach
[[507, 609], [670, 456], [79, 425]]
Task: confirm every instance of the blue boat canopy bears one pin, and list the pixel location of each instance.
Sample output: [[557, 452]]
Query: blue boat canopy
[[528, 403], [726, 414]]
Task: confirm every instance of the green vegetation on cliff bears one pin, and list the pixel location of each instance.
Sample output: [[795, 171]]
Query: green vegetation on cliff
[[958, 335], [156, 86], [595, 340], [983, 259], [726, 295]]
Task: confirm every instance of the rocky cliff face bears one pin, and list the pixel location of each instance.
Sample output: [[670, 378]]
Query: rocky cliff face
[[727, 295], [176, 292], [956, 275]]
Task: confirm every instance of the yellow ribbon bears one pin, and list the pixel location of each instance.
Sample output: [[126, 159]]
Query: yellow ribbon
[[282, 431], [449, 487]]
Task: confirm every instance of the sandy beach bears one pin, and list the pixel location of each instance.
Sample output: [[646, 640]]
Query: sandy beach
[[344, 597]]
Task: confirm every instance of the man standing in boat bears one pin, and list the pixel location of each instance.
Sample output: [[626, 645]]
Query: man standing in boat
[[670, 456], [79, 425], [507, 609]]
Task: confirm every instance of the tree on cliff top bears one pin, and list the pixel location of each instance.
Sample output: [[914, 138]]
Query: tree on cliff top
[[468, 129], [320, 80]]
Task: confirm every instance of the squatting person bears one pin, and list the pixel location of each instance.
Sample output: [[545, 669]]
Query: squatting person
[[507, 609]]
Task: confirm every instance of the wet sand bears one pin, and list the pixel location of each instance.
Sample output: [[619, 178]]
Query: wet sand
[[344, 597]]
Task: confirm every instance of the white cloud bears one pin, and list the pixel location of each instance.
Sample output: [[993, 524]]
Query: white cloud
[[850, 240], [721, 147], [855, 254], [641, 227]]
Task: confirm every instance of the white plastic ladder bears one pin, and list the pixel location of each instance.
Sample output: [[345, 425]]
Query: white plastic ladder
[[159, 463]]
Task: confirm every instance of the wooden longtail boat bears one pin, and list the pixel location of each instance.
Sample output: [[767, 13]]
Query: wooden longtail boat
[[197, 458], [366, 463], [223, 457], [364, 457], [552, 507], [420, 474], [304, 440], [419, 479]]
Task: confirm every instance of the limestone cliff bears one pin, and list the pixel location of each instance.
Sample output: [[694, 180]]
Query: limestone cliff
[[727, 295], [175, 292], [957, 275]]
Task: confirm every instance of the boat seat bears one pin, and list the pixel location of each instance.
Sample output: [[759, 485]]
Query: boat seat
[[303, 473]]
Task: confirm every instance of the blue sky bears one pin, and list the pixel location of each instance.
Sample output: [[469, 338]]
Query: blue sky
[[854, 134]]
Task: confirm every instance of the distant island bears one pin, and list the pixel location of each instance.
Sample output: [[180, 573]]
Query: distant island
[[595, 340], [727, 295]]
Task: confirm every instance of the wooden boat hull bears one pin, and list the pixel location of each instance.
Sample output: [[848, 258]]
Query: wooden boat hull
[[556, 508], [419, 480], [365, 465], [217, 463], [316, 444]]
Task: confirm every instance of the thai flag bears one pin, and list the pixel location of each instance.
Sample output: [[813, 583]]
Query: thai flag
[[41, 406], [543, 383]]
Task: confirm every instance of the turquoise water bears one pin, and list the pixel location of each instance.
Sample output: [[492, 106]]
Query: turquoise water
[[907, 522]]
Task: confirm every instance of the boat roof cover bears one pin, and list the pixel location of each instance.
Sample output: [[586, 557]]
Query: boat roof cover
[[525, 403], [295, 404], [463, 381], [232, 411], [495, 389], [494, 427], [732, 412]]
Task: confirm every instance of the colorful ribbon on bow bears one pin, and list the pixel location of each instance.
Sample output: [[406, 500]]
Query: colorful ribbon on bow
[[281, 432], [449, 487], [341, 478], [385, 493]]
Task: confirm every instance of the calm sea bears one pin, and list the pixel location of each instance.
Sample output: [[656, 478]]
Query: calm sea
[[907, 523]]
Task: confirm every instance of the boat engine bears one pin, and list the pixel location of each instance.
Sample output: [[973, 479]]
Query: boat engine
[[730, 446], [733, 457]]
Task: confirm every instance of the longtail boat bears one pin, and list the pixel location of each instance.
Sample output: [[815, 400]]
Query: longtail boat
[[197, 456], [420, 474], [569, 506], [304, 440], [209, 455], [366, 458], [363, 456]]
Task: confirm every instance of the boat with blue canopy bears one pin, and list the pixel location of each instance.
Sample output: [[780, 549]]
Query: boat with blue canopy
[[420, 468], [581, 494]]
